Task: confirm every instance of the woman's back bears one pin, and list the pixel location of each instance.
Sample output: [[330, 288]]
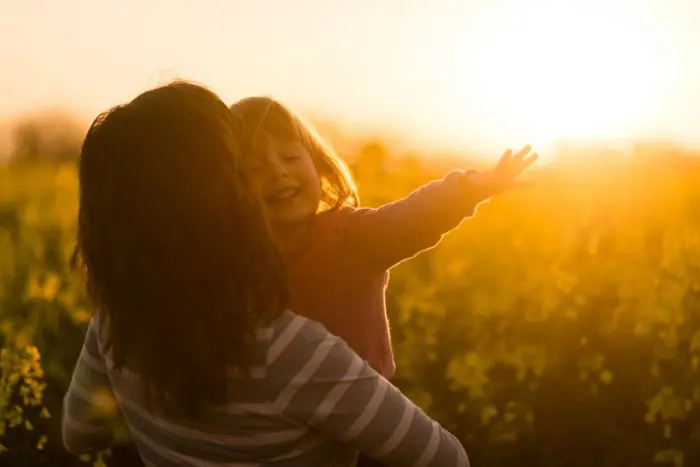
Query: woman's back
[[309, 400]]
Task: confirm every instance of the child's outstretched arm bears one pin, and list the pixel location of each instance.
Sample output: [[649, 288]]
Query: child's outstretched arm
[[400, 230]]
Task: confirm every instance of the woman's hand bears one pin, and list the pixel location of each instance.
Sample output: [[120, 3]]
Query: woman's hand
[[505, 175]]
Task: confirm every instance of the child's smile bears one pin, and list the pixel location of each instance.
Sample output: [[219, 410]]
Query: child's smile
[[282, 196], [285, 179]]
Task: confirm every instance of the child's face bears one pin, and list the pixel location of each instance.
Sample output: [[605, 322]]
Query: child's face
[[285, 180]]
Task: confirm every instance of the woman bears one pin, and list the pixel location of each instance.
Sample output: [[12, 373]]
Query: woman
[[191, 335]]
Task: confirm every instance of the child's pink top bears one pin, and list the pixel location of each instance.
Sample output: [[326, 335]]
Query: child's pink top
[[338, 275]]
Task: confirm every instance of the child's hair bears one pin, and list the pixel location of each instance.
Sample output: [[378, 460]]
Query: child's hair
[[173, 244], [264, 116]]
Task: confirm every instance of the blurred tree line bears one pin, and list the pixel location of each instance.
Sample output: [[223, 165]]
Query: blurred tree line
[[46, 135], [559, 327]]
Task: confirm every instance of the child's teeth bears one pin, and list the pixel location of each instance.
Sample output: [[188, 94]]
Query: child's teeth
[[285, 194]]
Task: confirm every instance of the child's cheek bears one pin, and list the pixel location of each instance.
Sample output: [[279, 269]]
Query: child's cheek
[[257, 186]]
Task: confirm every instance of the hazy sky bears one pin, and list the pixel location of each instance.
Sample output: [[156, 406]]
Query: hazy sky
[[447, 72]]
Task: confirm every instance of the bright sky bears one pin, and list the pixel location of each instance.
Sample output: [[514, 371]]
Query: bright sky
[[446, 72]]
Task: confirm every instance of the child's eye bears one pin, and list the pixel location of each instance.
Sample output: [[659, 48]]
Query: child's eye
[[290, 156]]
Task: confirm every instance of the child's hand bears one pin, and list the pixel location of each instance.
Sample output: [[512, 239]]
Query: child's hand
[[504, 176]]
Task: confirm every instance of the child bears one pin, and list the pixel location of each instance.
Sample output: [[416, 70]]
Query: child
[[337, 254]]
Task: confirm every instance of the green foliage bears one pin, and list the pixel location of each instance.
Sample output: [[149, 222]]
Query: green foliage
[[558, 327], [42, 307], [561, 325], [21, 388]]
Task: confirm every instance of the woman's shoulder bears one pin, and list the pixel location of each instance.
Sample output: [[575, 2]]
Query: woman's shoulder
[[292, 327]]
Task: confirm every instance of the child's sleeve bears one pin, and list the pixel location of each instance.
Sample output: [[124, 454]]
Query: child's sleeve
[[89, 406], [336, 392], [400, 230]]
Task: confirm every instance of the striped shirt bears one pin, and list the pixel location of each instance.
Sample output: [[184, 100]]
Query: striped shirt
[[310, 402]]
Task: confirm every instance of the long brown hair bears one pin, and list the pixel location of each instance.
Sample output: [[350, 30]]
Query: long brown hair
[[173, 244], [264, 116]]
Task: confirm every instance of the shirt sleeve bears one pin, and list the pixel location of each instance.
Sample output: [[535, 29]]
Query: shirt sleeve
[[90, 409], [323, 384], [397, 231]]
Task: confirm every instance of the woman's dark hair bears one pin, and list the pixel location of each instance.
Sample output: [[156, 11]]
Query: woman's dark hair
[[173, 244]]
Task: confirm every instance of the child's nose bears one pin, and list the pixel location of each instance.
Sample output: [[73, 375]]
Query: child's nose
[[278, 168]]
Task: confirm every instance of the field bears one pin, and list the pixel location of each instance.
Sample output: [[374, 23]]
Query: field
[[559, 327]]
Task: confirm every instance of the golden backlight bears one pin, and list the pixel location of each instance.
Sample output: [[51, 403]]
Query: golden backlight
[[566, 73]]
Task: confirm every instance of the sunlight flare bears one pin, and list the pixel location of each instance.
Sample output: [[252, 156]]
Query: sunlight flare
[[553, 75]]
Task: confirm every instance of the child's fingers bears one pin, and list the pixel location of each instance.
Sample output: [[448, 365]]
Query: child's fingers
[[521, 165], [505, 159], [529, 160], [520, 155], [511, 165]]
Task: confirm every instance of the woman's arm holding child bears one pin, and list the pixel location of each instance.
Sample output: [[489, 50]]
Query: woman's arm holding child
[[321, 382]]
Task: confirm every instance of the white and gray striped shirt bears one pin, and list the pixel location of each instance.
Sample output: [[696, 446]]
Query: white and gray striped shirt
[[310, 402]]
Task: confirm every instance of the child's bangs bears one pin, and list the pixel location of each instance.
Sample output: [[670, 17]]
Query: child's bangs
[[278, 124]]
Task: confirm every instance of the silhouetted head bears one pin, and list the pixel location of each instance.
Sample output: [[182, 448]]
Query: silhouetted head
[[173, 243], [294, 173]]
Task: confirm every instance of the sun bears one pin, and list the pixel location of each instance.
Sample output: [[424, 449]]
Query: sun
[[556, 75]]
